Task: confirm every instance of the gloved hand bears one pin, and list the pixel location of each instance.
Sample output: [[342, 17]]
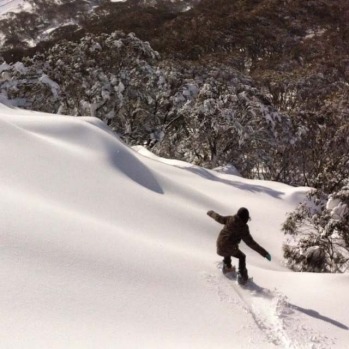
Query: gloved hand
[[268, 257], [209, 213]]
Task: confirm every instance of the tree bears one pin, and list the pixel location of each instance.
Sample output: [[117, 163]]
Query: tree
[[319, 231]]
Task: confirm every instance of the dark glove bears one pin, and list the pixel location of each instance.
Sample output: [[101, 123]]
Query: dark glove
[[210, 213], [268, 257]]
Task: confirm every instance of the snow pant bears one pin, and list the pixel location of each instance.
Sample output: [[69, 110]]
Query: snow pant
[[242, 260]]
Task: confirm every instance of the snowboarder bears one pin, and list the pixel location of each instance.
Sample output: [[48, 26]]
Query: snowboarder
[[236, 229]]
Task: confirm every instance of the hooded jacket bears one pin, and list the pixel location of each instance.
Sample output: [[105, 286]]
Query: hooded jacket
[[234, 230]]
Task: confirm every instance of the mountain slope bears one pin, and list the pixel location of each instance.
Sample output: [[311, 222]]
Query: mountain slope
[[12, 6], [103, 247]]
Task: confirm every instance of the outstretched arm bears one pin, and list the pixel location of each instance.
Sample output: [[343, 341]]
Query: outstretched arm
[[249, 241], [217, 217]]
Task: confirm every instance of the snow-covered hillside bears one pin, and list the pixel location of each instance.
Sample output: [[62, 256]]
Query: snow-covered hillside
[[105, 247], [13, 6]]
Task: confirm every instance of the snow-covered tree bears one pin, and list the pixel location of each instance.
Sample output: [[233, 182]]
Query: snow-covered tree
[[208, 114], [226, 120], [318, 233]]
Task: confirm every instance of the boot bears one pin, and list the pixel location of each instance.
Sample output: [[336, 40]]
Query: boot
[[228, 268], [243, 277]]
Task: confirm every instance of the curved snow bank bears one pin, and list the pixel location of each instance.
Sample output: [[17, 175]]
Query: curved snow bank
[[101, 247], [63, 152]]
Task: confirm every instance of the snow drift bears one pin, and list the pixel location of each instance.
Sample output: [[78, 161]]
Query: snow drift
[[103, 247]]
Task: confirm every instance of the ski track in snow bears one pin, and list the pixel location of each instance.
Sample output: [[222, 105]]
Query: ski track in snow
[[274, 316]]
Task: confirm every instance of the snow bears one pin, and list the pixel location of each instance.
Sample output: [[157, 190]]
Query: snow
[[104, 246], [311, 33], [13, 6], [52, 84], [338, 209]]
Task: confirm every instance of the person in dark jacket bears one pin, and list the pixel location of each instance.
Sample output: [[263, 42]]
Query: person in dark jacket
[[236, 229]]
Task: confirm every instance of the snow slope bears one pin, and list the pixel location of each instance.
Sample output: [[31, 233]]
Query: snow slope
[[13, 6], [103, 247]]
